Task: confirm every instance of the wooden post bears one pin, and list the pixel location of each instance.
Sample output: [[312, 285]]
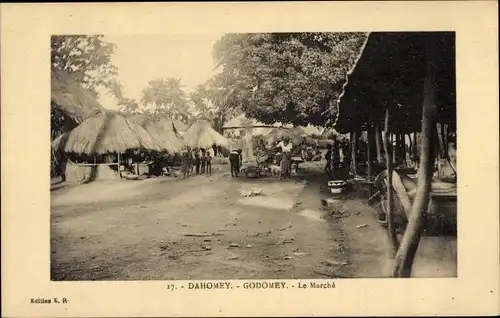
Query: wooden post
[[411, 238], [410, 148], [390, 200], [415, 150], [443, 142], [119, 165], [403, 150], [353, 153], [446, 140], [378, 143], [368, 150]]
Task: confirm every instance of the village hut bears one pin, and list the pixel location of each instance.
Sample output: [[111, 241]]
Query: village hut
[[202, 135], [70, 105], [161, 130], [403, 84], [105, 133]]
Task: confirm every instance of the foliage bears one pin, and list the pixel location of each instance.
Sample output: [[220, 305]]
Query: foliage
[[86, 58], [167, 98], [287, 77], [124, 103], [214, 103]]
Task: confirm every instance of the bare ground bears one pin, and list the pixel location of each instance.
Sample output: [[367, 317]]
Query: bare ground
[[137, 230]]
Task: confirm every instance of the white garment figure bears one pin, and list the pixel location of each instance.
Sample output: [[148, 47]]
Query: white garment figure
[[285, 148]]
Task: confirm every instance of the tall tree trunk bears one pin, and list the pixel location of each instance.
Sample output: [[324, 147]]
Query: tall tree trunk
[[369, 150], [390, 200], [378, 143], [411, 238], [354, 137]]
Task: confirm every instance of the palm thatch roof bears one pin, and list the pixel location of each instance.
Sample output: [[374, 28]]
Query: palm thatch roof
[[71, 98], [202, 135], [162, 131], [389, 74], [105, 133]]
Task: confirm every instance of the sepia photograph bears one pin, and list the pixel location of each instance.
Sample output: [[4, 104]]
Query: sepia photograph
[[305, 155], [235, 159]]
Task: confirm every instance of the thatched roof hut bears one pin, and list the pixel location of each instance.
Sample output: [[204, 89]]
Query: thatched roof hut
[[105, 133], [202, 135], [162, 131], [71, 98], [390, 74]]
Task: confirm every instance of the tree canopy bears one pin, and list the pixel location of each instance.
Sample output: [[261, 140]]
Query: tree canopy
[[213, 102], [287, 77], [86, 58], [165, 96]]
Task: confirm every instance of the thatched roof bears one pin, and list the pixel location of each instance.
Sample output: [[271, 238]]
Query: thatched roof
[[242, 121], [105, 133], [71, 98], [202, 135], [390, 74], [162, 131]]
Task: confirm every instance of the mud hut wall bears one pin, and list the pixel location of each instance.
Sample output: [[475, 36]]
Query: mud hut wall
[[82, 172]]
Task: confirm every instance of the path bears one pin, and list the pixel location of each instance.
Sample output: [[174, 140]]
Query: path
[[134, 230]]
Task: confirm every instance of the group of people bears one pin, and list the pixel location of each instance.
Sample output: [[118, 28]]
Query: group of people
[[310, 153], [198, 159]]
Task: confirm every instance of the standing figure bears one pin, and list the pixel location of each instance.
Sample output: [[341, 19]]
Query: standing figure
[[214, 147], [234, 161], [208, 163], [186, 162], [328, 157], [345, 152], [286, 162], [336, 154], [202, 160], [197, 161]]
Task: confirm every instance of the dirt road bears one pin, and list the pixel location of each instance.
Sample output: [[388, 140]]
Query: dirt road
[[140, 230]]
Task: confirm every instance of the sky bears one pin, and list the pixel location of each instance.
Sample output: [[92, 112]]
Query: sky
[[141, 58]]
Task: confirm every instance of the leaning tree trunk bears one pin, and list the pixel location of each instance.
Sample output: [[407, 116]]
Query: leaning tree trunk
[[390, 200], [411, 238]]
